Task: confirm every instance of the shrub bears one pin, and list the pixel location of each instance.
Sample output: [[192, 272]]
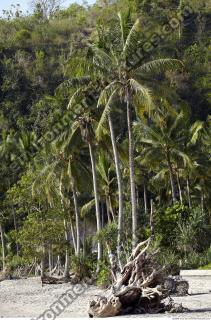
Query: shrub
[[81, 266], [16, 261], [166, 223], [104, 276]]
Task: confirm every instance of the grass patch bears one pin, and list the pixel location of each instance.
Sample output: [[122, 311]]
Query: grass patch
[[207, 267]]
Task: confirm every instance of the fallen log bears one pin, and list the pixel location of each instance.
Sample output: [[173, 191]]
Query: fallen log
[[53, 280], [6, 274], [73, 279]]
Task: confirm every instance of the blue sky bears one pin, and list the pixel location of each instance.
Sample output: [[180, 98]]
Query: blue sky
[[25, 4]]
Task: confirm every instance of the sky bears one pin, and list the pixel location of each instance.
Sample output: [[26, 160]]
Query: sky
[[25, 4]]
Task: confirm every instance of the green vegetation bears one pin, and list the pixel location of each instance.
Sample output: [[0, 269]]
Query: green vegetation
[[207, 267], [103, 118]]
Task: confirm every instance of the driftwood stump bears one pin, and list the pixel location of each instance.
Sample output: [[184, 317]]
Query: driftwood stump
[[135, 290], [138, 289]]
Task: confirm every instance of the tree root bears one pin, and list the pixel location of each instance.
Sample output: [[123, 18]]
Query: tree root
[[140, 288]]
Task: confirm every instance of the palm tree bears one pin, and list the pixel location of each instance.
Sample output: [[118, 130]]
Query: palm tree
[[120, 190], [77, 172], [126, 81], [87, 133], [54, 179], [82, 131], [163, 142], [107, 184]]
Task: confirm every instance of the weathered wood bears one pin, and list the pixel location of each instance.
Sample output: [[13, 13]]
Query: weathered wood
[[5, 274], [52, 280], [176, 286], [103, 307], [141, 286]]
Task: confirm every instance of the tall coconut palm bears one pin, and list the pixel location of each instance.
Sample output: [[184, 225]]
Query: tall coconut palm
[[77, 171], [48, 184], [85, 125], [163, 140], [127, 82], [74, 101]]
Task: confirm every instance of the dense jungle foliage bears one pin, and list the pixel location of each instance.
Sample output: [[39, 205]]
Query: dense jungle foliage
[[105, 117]]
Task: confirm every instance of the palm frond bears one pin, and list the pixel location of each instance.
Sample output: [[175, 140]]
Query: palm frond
[[143, 97], [186, 159], [178, 120], [102, 60], [103, 167], [74, 100], [158, 66], [77, 82], [195, 131], [87, 207], [132, 40], [124, 22], [147, 134], [171, 110], [160, 176], [78, 66], [106, 98], [72, 142]]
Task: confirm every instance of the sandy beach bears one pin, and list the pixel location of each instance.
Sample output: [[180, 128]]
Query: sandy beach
[[27, 298]]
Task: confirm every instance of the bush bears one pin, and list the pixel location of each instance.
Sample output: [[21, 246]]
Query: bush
[[192, 261], [166, 223], [171, 260], [104, 276], [15, 262], [207, 267], [22, 37], [108, 235], [81, 266], [193, 233]]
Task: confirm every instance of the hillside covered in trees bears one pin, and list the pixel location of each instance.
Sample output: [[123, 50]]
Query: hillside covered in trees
[[104, 118]]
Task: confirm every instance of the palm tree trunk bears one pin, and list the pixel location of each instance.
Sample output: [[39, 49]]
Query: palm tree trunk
[[179, 188], [72, 232], [43, 262], [112, 261], [132, 173], [111, 208], [145, 200], [120, 190], [107, 210], [102, 216], [50, 260], [173, 188], [77, 219], [188, 192], [202, 201], [67, 258], [84, 237], [97, 205], [2, 246], [16, 228]]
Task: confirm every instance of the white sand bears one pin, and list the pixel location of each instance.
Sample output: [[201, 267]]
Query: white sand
[[27, 298]]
